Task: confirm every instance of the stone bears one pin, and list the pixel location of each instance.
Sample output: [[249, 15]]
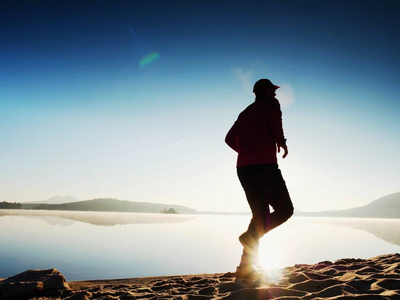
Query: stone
[[33, 282]]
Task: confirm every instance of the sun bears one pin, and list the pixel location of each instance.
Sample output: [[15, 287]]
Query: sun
[[270, 263], [269, 257]]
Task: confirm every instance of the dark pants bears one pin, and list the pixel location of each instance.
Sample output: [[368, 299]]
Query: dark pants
[[264, 186]]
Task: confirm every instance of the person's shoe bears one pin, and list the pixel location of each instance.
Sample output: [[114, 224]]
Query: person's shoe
[[249, 243], [250, 258], [247, 272]]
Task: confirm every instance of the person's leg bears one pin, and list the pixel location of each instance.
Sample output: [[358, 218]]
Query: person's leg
[[264, 186], [280, 202], [246, 267], [253, 180]]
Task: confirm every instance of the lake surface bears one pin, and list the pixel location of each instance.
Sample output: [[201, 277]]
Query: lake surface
[[103, 245]]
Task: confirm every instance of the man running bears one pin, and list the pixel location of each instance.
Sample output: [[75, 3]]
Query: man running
[[256, 136]]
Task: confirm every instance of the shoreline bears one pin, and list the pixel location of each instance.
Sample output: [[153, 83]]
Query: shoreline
[[349, 278]]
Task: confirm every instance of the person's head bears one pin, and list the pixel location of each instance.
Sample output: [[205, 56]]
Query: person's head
[[264, 88]]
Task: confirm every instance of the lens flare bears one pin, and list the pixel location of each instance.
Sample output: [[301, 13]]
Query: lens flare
[[269, 256], [270, 263], [148, 59], [142, 47]]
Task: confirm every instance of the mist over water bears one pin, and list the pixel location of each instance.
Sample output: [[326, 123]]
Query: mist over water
[[102, 245]]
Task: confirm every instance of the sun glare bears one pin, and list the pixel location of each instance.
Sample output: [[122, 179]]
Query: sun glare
[[269, 257], [270, 262]]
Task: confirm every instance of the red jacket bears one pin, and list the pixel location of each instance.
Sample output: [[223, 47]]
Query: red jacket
[[256, 133]]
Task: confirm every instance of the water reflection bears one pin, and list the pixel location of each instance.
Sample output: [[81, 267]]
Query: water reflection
[[67, 218], [135, 245], [384, 229]]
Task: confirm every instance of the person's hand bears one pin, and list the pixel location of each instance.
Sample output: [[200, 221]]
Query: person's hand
[[285, 149]]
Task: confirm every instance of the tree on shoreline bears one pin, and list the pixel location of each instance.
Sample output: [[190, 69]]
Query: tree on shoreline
[[169, 211], [9, 205]]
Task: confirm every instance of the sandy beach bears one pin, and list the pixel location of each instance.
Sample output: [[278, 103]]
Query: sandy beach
[[374, 278]]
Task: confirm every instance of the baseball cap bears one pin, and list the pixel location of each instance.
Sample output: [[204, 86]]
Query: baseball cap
[[262, 83]]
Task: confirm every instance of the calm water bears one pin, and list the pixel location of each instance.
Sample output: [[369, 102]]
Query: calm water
[[97, 245]]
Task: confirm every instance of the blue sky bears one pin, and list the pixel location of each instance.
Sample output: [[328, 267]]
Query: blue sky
[[79, 114]]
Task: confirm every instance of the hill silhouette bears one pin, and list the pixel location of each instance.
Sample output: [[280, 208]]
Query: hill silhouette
[[384, 207], [113, 205], [57, 200]]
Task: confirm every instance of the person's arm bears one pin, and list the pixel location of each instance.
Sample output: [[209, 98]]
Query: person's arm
[[276, 128], [232, 138]]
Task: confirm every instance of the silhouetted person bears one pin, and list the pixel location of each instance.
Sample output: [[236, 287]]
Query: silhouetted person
[[256, 136]]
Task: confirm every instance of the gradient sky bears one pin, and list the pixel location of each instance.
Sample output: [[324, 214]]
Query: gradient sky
[[83, 114]]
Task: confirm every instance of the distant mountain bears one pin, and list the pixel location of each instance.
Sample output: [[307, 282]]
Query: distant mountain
[[384, 207], [113, 205], [58, 200]]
